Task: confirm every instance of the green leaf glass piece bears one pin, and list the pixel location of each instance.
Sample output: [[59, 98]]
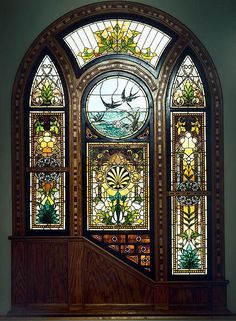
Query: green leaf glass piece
[[189, 259], [47, 214]]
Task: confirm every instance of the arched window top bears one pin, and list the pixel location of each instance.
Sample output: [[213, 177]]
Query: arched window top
[[188, 90], [117, 36], [123, 152], [47, 90]]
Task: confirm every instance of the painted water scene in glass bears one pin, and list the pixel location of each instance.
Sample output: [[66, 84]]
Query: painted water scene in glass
[[47, 90], [188, 89], [117, 186], [117, 36], [117, 107]]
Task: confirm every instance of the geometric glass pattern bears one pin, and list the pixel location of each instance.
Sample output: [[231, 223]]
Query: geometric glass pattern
[[118, 186], [187, 90], [188, 193], [47, 172], [117, 107], [47, 90], [117, 36], [134, 247]]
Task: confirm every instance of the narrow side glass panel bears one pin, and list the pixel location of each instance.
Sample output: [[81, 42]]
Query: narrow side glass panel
[[188, 90], [47, 170], [189, 237], [47, 200], [47, 139], [189, 191], [47, 90], [118, 186]]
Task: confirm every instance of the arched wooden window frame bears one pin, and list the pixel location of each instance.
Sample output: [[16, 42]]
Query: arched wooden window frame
[[167, 293]]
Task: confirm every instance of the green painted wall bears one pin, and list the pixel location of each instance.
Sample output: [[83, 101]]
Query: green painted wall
[[213, 21]]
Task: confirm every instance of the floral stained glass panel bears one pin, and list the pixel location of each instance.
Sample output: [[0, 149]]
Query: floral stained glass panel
[[47, 172], [117, 36], [47, 90], [47, 200], [189, 193], [117, 107], [118, 186], [47, 139], [187, 90]]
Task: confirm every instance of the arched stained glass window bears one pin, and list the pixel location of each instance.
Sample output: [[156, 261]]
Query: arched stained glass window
[[46, 172], [117, 168], [188, 173], [46, 90]]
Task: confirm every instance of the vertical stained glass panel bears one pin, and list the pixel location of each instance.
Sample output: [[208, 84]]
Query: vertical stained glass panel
[[47, 200], [117, 36], [187, 90], [47, 139], [188, 151], [47, 172], [189, 236], [118, 186], [189, 190], [47, 90]]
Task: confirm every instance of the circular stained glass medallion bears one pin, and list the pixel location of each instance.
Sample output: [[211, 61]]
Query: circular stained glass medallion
[[117, 107]]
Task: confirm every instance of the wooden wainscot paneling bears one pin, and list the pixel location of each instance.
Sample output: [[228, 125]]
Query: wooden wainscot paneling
[[75, 276], [47, 271], [108, 282], [19, 275], [72, 275], [219, 297]]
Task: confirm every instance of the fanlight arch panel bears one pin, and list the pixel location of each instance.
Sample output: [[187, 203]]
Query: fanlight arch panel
[[117, 36]]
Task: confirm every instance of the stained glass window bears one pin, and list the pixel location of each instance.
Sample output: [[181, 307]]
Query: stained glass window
[[117, 124], [188, 183], [118, 186], [117, 107], [188, 89], [47, 172], [47, 157], [117, 36], [189, 190], [47, 90]]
